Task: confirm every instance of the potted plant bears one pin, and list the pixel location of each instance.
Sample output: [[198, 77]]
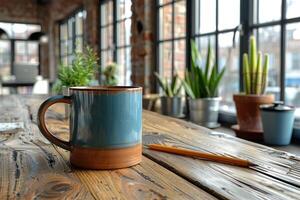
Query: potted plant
[[80, 73], [171, 101], [247, 104], [201, 85], [109, 74]]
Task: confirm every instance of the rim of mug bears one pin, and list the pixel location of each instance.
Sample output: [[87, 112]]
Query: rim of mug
[[107, 88]]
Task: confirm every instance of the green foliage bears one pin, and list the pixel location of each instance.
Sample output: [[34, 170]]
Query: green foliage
[[201, 83], [79, 73], [255, 75], [110, 74], [172, 88]]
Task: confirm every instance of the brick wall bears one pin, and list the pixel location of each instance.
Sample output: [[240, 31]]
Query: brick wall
[[143, 44]]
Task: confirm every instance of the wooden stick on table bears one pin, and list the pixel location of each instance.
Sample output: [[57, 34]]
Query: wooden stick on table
[[202, 155]]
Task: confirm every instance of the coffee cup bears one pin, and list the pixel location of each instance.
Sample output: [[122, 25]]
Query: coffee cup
[[105, 126]]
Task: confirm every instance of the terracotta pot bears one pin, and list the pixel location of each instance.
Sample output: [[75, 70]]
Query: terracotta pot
[[248, 113]]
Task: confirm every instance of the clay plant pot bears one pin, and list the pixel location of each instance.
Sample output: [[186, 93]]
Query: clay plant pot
[[248, 112]]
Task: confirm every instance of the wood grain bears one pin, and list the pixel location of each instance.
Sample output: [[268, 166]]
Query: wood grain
[[30, 167], [147, 180], [277, 176]]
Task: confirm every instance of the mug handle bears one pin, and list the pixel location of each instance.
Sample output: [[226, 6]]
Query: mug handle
[[41, 120]]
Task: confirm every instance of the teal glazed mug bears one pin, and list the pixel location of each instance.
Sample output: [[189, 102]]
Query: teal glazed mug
[[105, 126]]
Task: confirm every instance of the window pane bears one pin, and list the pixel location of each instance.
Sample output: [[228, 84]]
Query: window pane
[[121, 66], [106, 57], [229, 14], [229, 58], [124, 32], [180, 19], [26, 52], [63, 31], [269, 42], [268, 10], [128, 66], [124, 66], [206, 12], [4, 58], [161, 2], [63, 48], [107, 37], [179, 57], [165, 58], [19, 30], [292, 8], [79, 23], [165, 22], [124, 9], [33, 52], [70, 28], [106, 13], [202, 44], [292, 76], [79, 44]]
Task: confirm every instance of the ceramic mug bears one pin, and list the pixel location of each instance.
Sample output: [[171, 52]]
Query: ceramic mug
[[105, 126]]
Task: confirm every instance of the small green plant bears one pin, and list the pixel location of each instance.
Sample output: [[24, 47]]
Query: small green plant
[[172, 88], [79, 73], [201, 83], [110, 74], [255, 75]]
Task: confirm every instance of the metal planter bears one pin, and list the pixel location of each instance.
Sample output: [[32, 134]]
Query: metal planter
[[172, 106], [205, 111]]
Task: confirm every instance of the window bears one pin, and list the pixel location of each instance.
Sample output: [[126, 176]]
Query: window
[[5, 53], [171, 42], [215, 22], [278, 34], [71, 36], [17, 49], [115, 32]]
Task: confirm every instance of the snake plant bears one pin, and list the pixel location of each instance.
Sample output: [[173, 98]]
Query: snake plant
[[202, 82], [255, 75], [170, 88]]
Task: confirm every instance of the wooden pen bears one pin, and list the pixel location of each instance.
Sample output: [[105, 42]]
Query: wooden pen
[[202, 155]]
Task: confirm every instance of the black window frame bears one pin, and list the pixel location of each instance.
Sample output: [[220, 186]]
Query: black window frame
[[172, 39], [66, 20], [114, 47], [246, 28]]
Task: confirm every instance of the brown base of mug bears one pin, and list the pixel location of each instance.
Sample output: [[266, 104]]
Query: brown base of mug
[[91, 158]]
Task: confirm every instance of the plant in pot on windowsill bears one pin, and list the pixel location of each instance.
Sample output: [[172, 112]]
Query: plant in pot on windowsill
[[201, 85], [109, 74], [247, 104], [171, 101]]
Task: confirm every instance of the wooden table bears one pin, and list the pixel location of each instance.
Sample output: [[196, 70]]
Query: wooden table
[[32, 168]]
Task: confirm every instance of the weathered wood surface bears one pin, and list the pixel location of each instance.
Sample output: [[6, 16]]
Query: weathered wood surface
[[32, 168], [276, 177]]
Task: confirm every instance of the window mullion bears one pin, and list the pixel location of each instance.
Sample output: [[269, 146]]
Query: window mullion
[[173, 35], [115, 31], [217, 35], [282, 50]]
